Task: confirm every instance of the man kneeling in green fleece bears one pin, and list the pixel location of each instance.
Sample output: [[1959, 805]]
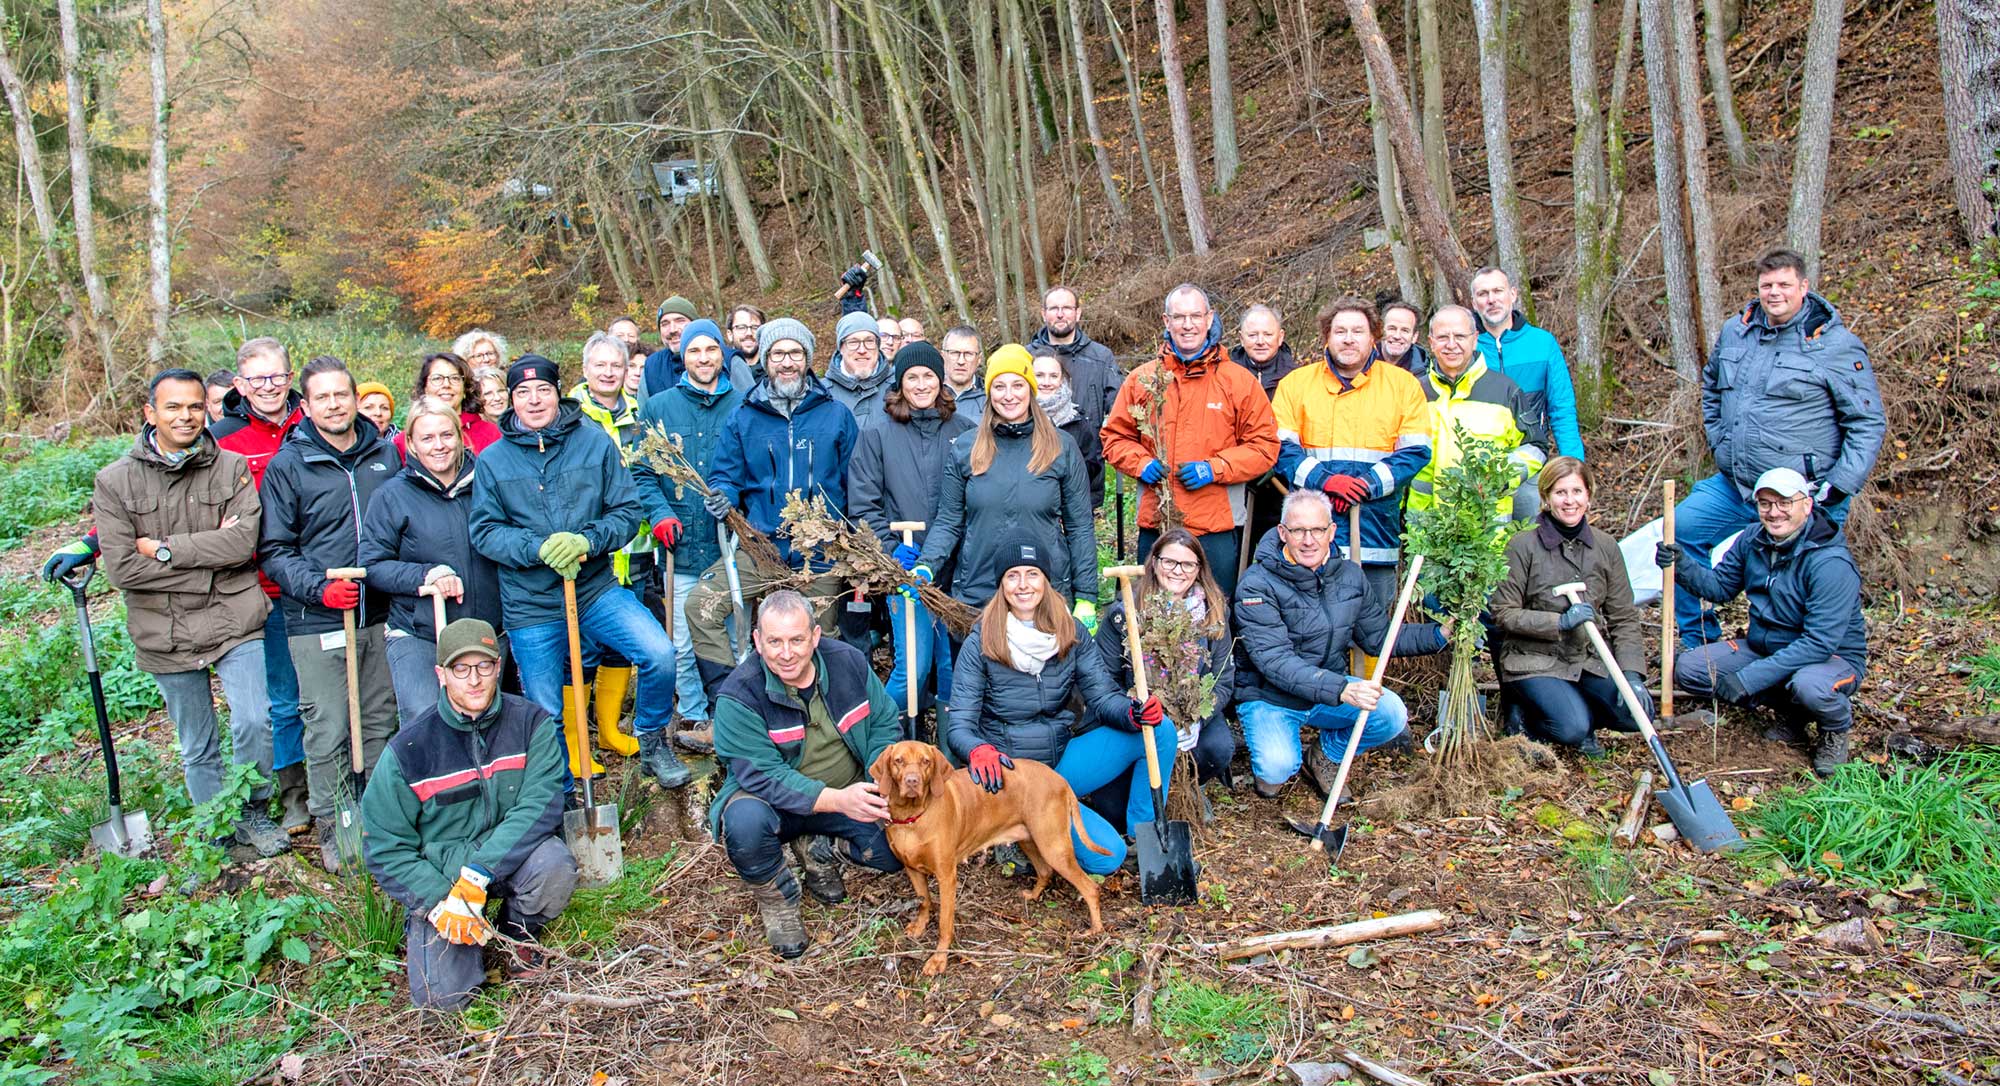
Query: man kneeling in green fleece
[[467, 801]]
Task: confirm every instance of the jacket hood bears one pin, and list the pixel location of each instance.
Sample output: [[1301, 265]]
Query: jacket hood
[[234, 406], [1815, 315], [568, 416], [1199, 357], [417, 473], [306, 433], [626, 411], [200, 454], [1281, 360], [1474, 370]]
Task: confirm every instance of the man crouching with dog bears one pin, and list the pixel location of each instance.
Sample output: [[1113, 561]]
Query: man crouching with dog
[[797, 725]]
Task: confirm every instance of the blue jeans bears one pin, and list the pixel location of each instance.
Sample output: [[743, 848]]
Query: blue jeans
[[1272, 731], [933, 655], [191, 707], [281, 683], [694, 699], [619, 622], [1095, 759], [1711, 513]]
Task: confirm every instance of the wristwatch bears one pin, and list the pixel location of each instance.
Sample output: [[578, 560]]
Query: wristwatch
[[163, 554]]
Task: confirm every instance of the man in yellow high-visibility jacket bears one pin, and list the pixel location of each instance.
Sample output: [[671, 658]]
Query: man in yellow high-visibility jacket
[[1486, 404]]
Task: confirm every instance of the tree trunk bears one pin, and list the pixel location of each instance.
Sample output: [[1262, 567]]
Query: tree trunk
[[1221, 96], [1809, 162], [1500, 147], [1389, 193], [83, 215], [902, 108], [1656, 46], [1437, 152], [1017, 43], [735, 189], [1177, 108], [1112, 199], [1716, 40], [30, 154], [159, 247], [1596, 236], [1139, 131], [1694, 170], [1432, 225], [1969, 56]]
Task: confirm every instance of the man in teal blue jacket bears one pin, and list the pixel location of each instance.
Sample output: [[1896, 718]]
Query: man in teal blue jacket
[[1527, 354]]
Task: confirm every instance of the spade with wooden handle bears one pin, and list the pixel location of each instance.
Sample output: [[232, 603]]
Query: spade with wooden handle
[[1167, 870], [347, 810], [908, 529]]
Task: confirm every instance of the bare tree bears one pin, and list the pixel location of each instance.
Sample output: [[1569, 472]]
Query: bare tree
[[30, 154], [83, 215], [1500, 146], [734, 188], [1694, 171], [1177, 108], [1809, 162], [159, 248], [1139, 130], [1389, 193], [1716, 38], [1969, 59], [1657, 48], [1112, 199], [1596, 211], [1221, 96], [1437, 153]]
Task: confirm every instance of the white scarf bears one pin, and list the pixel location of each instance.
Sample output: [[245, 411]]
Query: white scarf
[[1029, 646], [1196, 602]]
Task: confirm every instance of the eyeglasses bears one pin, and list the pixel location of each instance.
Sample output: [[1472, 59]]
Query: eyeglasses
[[785, 356], [1188, 318], [1308, 534], [485, 669], [744, 327], [1766, 505], [1175, 565], [960, 354], [269, 380], [445, 379]]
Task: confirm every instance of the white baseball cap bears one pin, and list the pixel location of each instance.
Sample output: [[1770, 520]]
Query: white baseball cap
[[1784, 482]]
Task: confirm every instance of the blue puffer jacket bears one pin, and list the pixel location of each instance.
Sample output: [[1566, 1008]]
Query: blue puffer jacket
[[1532, 358], [1805, 599], [1800, 396], [762, 456], [697, 419], [1030, 716], [566, 477]]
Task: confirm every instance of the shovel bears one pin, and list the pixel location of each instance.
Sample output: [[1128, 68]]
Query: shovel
[[739, 615], [592, 833], [124, 834], [1333, 840], [1692, 808], [346, 803], [909, 530], [1166, 849]]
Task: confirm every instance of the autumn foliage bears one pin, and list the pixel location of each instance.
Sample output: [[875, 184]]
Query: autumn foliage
[[460, 276]]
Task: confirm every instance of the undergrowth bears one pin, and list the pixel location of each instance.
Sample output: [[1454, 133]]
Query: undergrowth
[[1213, 1024], [50, 482]]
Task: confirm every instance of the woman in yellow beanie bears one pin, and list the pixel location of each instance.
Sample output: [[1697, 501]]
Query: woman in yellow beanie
[[378, 405]]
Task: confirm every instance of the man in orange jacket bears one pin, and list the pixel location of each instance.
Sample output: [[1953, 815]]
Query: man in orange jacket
[[1195, 425]]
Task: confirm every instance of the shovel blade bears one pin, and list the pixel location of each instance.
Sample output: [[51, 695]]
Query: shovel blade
[[593, 839], [1167, 870], [1699, 816], [124, 834]]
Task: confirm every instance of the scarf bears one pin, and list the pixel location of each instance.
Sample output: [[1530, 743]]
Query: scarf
[[1060, 405], [1196, 602], [173, 459], [1029, 646]]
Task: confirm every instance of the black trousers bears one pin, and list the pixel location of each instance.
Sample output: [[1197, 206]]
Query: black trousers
[[1566, 712], [755, 834]]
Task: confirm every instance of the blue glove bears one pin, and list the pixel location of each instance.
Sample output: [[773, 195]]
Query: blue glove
[[1152, 473], [922, 573], [1196, 474], [906, 555]]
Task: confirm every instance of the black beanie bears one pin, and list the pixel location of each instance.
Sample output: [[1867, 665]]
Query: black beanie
[[1022, 549], [532, 367], [917, 356]]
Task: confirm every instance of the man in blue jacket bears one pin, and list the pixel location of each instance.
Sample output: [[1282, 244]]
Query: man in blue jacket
[[1527, 354], [1787, 386], [552, 502], [1807, 648]]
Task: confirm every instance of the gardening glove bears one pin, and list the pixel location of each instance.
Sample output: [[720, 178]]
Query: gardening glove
[[1153, 472], [1346, 490], [1729, 687], [668, 532], [1086, 613], [718, 504], [986, 763], [1666, 554], [1196, 474], [856, 276], [461, 916], [341, 595], [922, 573], [1577, 615], [906, 555], [68, 557], [1186, 738], [1831, 495], [564, 552], [1145, 714]]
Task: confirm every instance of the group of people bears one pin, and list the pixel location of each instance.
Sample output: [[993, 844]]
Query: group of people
[[227, 522]]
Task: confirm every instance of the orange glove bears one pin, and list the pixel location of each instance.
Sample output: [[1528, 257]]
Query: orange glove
[[461, 916]]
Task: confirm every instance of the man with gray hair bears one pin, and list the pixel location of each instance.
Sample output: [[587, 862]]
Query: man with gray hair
[[1528, 354], [798, 725], [1466, 394], [962, 361]]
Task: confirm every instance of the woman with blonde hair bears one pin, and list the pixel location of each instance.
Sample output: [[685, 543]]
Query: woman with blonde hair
[[493, 402]]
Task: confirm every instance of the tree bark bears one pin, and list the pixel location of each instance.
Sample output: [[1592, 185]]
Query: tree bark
[[1139, 131], [1694, 171], [1017, 43], [735, 189], [1969, 61], [159, 246], [1437, 152], [38, 196], [1177, 107], [1595, 251], [83, 215], [907, 115], [1809, 161], [1432, 224], [1500, 147], [1221, 96], [1656, 46], [1098, 152], [1716, 41], [1389, 193]]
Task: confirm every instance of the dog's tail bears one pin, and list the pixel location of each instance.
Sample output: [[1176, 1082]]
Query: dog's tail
[[1076, 823]]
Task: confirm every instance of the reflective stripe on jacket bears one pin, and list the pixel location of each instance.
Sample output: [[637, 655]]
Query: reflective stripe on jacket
[[1487, 406], [1378, 428]]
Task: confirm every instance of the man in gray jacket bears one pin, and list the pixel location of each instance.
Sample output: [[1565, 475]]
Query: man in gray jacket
[[1787, 386]]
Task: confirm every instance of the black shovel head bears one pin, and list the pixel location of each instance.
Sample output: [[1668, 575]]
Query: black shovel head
[[1167, 869], [1699, 816]]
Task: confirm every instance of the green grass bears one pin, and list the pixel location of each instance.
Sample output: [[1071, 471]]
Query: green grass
[[1108, 982], [50, 482], [1213, 1024], [593, 915], [1079, 1066], [1606, 873], [1887, 826], [1984, 673]]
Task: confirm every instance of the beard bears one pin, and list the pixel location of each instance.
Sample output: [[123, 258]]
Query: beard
[[788, 388]]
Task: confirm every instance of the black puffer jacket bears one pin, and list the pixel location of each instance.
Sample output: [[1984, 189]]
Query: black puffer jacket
[[1216, 657], [315, 498], [414, 524], [1030, 716], [975, 513], [897, 470], [1294, 626]]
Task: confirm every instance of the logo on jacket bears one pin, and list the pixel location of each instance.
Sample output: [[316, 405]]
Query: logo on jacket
[[378, 466]]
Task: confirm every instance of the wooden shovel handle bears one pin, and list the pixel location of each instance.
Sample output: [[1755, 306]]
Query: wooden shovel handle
[[1361, 722], [1124, 574]]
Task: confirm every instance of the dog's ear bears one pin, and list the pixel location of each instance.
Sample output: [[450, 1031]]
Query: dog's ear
[[881, 768], [940, 767]]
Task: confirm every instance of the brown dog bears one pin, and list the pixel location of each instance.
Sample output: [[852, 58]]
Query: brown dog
[[938, 816]]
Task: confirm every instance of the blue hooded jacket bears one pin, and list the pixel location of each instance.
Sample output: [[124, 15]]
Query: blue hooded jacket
[[1532, 359], [762, 456], [696, 417]]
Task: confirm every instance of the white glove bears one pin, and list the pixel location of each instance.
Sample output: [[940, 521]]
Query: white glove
[[1185, 738]]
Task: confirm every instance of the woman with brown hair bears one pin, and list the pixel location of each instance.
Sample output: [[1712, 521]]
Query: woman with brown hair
[[1178, 567], [492, 386], [448, 377], [1015, 472], [1017, 677]]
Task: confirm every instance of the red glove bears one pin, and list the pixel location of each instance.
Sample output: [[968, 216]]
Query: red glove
[[341, 595], [1346, 490], [668, 532], [1146, 714], [986, 762]]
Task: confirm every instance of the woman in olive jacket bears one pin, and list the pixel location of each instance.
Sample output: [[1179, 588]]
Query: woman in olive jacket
[[1546, 662]]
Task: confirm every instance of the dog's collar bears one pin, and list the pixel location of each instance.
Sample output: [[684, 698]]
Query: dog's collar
[[907, 821]]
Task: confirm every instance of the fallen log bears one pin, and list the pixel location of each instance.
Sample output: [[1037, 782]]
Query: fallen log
[[1380, 1072], [1635, 810], [1360, 931]]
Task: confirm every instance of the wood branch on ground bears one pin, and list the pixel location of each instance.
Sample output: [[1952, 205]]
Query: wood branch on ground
[[1360, 931], [1635, 810]]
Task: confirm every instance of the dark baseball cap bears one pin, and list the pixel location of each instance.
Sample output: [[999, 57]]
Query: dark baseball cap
[[467, 635]]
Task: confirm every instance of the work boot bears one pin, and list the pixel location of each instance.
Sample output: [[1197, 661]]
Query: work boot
[[329, 852], [609, 698], [656, 756], [1830, 753], [1788, 732], [778, 904], [292, 799], [1402, 744], [823, 881], [257, 830], [1589, 747], [1320, 768], [697, 738], [1266, 789], [1513, 720], [1012, 862]]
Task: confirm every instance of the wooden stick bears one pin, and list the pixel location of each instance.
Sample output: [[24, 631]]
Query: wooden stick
[[1635, 810], [1360, 931], [1377, 1071], [1667, 612], [1142, 1001], [1361, 722]]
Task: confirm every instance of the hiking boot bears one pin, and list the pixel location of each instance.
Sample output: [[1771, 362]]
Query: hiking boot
[[1011, 862], [329, 852], [697, 738], [656, 756], [1591, 748], [1830, 753], [257, 830], [1320, 767], [1402, 744], [1267, 789], [522, 960], [292, 799], [823, 881], [1788, 732], [1513, 720], [778, 903]]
